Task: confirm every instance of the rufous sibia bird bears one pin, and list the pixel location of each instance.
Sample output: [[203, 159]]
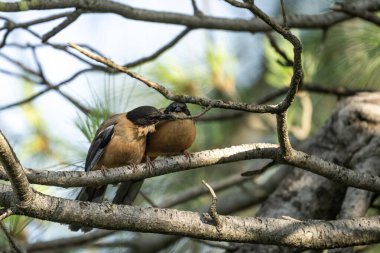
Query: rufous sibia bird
[[119, 141], [171, 137]]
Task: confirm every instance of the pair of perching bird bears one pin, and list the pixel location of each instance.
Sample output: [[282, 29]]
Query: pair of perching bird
[[138, 136]]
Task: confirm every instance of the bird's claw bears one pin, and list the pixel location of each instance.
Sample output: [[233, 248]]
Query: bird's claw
[[104, 170], [134, 167], [188, 155], [149, 165]]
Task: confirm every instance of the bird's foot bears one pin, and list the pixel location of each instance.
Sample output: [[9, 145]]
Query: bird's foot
[[104, 170], [188, 155], [134, 167], [149, 165]]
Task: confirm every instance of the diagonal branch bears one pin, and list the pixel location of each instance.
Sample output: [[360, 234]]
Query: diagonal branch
[[160, 51], [180, 98], [68, 21], [297, 48], [355, 12], [15, 174]]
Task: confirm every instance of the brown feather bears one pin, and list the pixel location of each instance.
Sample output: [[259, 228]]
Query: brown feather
[[171, 138]]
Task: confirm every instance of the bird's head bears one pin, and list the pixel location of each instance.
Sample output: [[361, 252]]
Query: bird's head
[[176, 107], [147, 115]]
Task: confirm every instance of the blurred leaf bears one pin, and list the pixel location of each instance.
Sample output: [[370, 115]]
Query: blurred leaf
[[223, 66], [277, 75], [110, 101]]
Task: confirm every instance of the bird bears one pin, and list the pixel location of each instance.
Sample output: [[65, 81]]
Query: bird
[[120, 140], [171, 137]]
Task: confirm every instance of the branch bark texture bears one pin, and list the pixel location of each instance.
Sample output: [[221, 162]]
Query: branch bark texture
[[350, 138]]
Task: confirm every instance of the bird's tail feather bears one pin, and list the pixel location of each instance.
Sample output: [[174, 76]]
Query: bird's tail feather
[[92, 194], [127, 192]]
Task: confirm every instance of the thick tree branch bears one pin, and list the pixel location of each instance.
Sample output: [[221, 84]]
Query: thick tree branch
[[299, 159], [296, 21], [252, 195], [305, 234]]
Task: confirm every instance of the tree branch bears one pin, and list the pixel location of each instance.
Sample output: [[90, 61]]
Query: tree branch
[[68, 21], [299, 159], [176, 97], [160, 51], [355, 12], [15, 174], [305, 234], [208, 22]]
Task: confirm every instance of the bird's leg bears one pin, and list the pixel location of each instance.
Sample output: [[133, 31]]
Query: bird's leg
[[188, 155], [104, 170], [134, 167], [149, 164]]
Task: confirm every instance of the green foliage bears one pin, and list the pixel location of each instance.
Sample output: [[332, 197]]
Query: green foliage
[[350, 56], [215, 76], [112, 99], [276, 74]]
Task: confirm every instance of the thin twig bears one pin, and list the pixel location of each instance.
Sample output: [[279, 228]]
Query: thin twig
[[316, 88], [297, 48], [196, 10], [68, 21], [273, 43], [198, 191], [212, 211], [185, 98], [161, 50], [282, 132], [258, 171], [203, 112], [363, 14], [284, 14], [11, 26]]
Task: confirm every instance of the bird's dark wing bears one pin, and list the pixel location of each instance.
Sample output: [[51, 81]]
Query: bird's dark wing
[[98, 146]]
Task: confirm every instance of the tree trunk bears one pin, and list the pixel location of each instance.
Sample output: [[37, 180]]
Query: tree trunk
[[350, 138]]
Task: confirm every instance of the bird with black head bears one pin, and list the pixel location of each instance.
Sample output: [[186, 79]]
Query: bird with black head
[[171, 137], [120, 140]]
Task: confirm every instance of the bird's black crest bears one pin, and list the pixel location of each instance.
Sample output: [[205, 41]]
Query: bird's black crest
[[145, 115], [177, 107]]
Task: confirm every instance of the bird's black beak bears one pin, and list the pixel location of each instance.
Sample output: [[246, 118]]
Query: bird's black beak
[[165, 117]]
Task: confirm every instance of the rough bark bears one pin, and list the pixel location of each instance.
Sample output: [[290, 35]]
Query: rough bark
[[349, 138]]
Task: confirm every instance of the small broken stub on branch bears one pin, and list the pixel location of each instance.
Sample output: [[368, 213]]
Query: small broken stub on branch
[[212, 211]]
